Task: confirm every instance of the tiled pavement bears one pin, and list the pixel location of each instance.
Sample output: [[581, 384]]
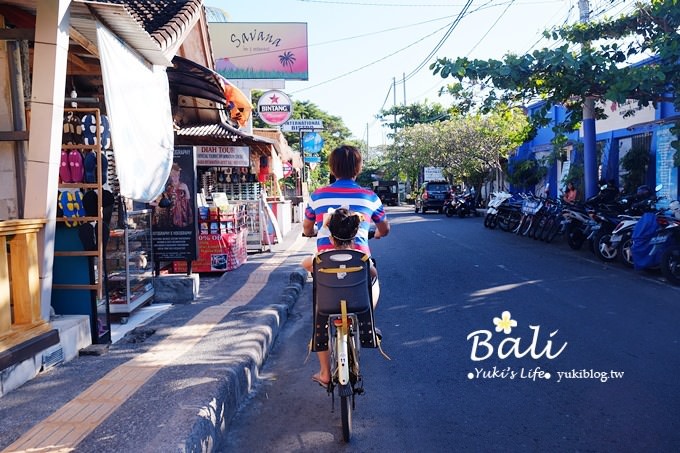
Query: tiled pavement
[[174, 390]]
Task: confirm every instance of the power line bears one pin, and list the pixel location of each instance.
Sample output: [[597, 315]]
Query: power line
[[490, 28], [441, 41], [371, 63], [410, 5]]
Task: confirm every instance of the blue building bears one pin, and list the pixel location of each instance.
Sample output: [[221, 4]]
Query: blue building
[[649, 129]]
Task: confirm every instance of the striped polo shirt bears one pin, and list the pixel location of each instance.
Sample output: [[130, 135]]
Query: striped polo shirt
[[344, 193]]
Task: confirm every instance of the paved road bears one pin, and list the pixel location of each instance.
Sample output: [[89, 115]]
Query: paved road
[[444, 280]]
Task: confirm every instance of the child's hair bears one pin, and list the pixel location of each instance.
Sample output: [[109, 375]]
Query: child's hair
[[344, 225]]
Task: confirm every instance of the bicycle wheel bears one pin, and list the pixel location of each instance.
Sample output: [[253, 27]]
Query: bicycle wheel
[[346, 413]]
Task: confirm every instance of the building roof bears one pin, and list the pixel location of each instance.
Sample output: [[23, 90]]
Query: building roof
[[223, 134], [154, 28]]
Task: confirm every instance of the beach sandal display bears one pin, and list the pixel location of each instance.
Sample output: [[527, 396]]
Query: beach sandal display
[[72, 133], [90, 130], [71, 206], [75, 164]]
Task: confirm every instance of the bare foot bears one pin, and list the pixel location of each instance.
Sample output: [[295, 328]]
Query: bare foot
[[323, 382]]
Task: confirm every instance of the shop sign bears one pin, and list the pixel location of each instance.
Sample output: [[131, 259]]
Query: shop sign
[[302, 124], [312, 142], [222, 156], [274, 107], [287, 169]]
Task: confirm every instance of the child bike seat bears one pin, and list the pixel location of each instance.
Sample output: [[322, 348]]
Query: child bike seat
[[342, 275]]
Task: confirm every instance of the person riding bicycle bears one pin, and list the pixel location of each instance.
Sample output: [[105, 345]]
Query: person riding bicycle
[[345, 165], [343, 226]]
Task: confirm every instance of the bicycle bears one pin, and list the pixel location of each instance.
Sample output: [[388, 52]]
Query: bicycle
[[343, 323]]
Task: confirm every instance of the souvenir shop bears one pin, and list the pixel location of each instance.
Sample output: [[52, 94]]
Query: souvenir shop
[[238, 196]]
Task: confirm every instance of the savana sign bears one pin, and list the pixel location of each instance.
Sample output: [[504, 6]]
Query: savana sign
[[250, 50]]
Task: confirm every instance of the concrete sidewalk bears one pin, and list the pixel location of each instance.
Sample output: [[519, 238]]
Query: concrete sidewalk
[[172, 384]]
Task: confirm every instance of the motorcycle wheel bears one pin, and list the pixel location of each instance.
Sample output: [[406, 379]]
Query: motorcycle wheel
[[461, 212], [487, 220], [602, 247], [507, 220], [526, 226], [553, 231], [545, 232], [624, 250], [575, 238], [494, 222], [449, 212], [670, 265], [537, 228]]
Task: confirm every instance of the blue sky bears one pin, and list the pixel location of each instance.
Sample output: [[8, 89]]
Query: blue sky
[[357, 47]]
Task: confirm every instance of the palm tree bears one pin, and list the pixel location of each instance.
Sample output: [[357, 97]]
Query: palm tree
[[287, 59]]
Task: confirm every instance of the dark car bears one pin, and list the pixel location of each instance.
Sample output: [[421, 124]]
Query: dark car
[[387, 191], [432, 195]]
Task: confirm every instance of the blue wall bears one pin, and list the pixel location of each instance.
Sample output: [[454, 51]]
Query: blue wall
[[610, 156]]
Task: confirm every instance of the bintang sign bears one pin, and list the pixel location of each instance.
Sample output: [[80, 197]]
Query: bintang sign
[[302, 124], [274, 107]]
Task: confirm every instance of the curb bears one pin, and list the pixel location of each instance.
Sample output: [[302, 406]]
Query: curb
[[265, 323]]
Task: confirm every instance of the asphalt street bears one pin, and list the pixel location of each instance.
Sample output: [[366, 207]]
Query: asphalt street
[[591, 364]]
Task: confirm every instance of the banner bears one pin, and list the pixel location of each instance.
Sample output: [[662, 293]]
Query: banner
[[174, 236], [138, 107]]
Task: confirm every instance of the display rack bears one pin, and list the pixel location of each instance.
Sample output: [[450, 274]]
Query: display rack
[[87, 266], [129, 263], [249, 194], [221, 240]]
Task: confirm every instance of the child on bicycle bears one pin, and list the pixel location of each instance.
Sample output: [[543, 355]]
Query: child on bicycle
[[343, 226]]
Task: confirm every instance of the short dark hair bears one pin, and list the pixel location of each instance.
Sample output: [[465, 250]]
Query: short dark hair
[[344, 226], [345, 162]]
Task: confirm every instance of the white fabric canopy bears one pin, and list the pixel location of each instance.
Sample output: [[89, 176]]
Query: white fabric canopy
[[138, 107]]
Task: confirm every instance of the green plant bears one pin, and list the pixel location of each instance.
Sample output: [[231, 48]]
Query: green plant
[[526, 173], [635, 163]]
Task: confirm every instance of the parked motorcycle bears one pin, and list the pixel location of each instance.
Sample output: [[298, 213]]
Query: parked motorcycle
[[606, 217], [450, 205], [670, 259], [466, 205], [497, 199], [622, 235], [654, 236]]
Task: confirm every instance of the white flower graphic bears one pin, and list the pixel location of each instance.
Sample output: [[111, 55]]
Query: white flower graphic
[[505, 323]]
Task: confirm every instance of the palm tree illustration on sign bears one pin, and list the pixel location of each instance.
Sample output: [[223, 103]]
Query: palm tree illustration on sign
[[287, 60]]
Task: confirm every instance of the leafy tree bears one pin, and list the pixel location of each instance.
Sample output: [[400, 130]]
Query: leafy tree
[[401, 116], [602, 68], [466, 147]]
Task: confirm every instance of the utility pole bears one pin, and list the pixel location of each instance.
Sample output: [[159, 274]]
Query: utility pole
[[394, 102], [367, 147], [589, 131], [394, 81]]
